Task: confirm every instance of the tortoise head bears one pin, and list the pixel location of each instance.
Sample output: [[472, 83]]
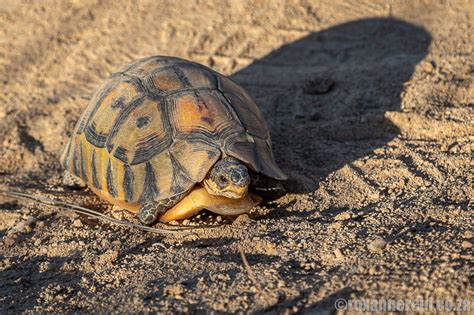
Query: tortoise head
[[229, 178]]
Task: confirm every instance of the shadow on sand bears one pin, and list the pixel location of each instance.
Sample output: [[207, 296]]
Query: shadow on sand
[[325, 95]]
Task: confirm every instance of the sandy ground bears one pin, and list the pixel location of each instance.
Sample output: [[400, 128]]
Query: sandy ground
[[370, 105]]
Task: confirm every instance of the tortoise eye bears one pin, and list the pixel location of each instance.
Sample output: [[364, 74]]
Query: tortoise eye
[[223, 179], [143, 121]]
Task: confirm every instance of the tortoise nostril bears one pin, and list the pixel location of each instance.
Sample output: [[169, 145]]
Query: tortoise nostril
[[235, 178]]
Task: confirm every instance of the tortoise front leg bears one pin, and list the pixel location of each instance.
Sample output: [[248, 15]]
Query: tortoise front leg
[[150, 211]]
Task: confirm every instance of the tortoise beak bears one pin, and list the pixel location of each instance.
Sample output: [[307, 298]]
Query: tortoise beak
[[240, 191]]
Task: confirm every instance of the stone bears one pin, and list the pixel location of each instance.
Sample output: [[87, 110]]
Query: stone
[[377, 245]]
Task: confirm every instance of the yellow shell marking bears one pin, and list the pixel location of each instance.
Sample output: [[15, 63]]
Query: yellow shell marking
[[163, 169], [132, 207]]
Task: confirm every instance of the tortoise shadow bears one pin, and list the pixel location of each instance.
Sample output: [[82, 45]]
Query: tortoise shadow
[[324, 96], [24, 283]]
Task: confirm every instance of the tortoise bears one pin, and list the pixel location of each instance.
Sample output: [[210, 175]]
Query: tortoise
[[165, 138]]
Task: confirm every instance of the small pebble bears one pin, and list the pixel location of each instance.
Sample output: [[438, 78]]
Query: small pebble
[[318, 85], [6, 263], [428, 66], [468, 234], [466, 244], [338, 254], [77, 223], [174, 289], [445, 257], [342, 216], [108, 257], [21, 227], [8, 241], [186, 222], [242, 219], [335, 226], [377, 245]]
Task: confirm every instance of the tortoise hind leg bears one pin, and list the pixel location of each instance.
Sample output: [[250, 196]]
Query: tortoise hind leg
[[72, 181], [151, 210]]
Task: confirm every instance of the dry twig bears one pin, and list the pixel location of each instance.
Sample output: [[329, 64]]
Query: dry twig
[[249, 270]]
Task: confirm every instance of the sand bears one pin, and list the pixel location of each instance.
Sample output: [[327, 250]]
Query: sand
[[370, 105]]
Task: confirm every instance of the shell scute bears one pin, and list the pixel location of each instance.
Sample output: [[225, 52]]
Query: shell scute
[[166, 80], [196, 158], [245, 107], [202, 112], [198, 78], [164, 173], [175, 79], [141, 133], [256, 153], [143, 67], [104, 114]]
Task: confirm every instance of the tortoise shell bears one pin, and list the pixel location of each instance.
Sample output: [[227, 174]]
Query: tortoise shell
[[155, 128]]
